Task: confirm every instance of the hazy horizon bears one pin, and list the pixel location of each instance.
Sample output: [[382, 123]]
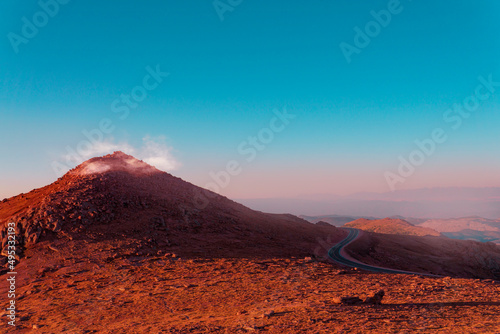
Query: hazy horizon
[[417, 203]]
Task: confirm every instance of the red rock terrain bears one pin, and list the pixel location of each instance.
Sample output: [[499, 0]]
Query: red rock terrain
[[391, 226], [116, 246]]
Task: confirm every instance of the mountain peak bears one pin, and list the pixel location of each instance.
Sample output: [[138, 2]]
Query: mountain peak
[[117, 161], [118, 155]]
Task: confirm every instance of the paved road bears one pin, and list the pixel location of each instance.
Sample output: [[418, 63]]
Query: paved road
[[337, 254]]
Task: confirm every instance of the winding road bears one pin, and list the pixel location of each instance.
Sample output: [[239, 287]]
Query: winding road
[[337, 254]]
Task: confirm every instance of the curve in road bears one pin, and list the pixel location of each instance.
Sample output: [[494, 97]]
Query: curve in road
[[338, 255]]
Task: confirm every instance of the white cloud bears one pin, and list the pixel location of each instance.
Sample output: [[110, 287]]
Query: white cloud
[[95, 167], [154, 151]]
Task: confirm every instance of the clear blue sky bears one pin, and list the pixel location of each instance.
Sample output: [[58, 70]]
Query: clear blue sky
[[353, 120]]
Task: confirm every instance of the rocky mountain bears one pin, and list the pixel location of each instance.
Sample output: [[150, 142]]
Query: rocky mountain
[[117, 197]]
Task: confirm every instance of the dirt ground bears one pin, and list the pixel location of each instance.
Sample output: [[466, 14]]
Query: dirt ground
[[61, 292]]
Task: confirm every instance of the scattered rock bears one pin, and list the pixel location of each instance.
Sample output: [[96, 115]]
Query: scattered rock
[[43, 270], [376, 299], [343, 272], [347, 300], [268, 314], [53, 248]]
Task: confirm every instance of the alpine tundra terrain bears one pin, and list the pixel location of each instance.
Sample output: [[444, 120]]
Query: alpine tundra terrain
[[116, 246]]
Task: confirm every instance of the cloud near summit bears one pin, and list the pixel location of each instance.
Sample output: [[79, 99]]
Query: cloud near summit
[[154, 151]]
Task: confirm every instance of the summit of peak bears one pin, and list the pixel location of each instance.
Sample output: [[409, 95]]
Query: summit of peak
[[118, 155], [117, 161]]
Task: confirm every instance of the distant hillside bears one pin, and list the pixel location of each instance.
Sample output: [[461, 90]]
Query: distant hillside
[[482, 236], [335, 220], [411, 220], [430, 254], [467, 228], [465, 223], [391, 226]]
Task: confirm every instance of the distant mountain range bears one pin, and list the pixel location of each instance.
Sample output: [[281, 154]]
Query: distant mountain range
[[467, 228], [464, 223], [464, 228]]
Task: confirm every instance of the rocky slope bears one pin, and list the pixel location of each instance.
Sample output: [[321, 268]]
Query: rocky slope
[[428, 254], [120, 197]]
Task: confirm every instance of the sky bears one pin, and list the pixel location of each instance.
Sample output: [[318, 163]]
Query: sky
[[254, 99]]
